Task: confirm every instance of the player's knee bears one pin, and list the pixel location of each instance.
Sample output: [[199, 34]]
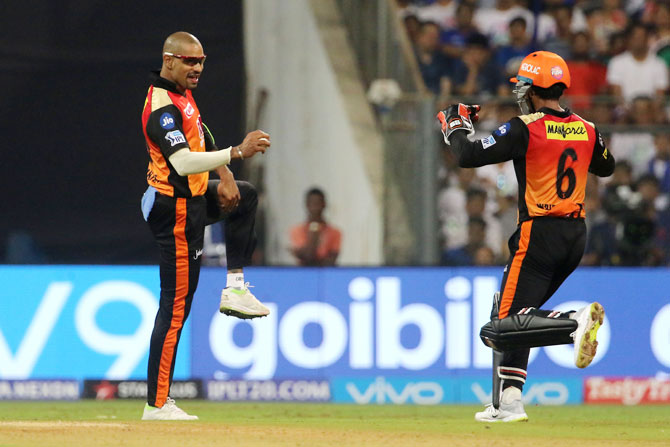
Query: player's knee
[[248, 196]]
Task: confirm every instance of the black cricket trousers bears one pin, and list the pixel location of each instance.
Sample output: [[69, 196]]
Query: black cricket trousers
[[178, 225]]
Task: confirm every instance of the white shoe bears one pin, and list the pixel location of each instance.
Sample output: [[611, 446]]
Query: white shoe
[[511, 408], [241, 303], [589, 320], [168, 412]]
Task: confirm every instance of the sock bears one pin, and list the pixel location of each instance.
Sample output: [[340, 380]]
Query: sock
[[511, 394], [235, 280]]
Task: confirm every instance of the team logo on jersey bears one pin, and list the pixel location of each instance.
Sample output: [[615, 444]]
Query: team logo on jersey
[[502, 130], [167, 121], [188, 110], [175, 137], [574, 131], [557, 72], [488, 142]]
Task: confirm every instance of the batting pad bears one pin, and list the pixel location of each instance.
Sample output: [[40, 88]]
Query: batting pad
[[527, 331]]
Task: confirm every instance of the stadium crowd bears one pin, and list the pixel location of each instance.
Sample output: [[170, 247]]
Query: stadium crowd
[[618, 53]]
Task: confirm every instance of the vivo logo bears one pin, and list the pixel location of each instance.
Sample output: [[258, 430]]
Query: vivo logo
[[380, 391], [544, 393]]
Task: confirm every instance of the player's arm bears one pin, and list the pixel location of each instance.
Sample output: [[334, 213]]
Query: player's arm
[[602, 161], [227, 191], [509, 141], [165, 128]]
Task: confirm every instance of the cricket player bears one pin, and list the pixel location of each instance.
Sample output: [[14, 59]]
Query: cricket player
[[181, 200], [553, 150]]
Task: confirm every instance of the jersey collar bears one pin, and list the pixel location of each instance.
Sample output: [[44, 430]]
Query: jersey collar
[[564, 114], [158, 81]]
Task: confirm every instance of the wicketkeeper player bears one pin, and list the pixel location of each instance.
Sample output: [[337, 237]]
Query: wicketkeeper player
[[553, 151]]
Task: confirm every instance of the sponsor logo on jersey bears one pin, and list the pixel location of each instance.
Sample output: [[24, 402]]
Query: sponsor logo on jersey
[[188, 110], [175, 137], [502, 130], [167, 121], [530, 68], [574, 131], [488, 142]]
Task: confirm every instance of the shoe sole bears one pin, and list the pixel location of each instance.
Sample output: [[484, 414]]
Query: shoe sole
[[523, 418], [588, 344], [240, 312]]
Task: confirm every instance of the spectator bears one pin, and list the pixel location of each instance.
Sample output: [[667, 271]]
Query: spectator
[[587, 74], [315, 242], [466, 254], [477, 73], [451, 208], [441, 12], [453, 39], [600, 236], [406, 8], [484, 256], [510, 55], [637, 146], [637, 72], [661, 37], [659, 165], [495, 22], [560, 43], [432, 63], [412, 26]]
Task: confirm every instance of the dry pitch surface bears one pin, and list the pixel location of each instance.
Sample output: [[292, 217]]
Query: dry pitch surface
[[116, 423]]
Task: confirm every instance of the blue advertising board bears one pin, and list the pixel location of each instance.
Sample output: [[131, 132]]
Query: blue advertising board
[[75, 322], [416, 322], [79, 322]]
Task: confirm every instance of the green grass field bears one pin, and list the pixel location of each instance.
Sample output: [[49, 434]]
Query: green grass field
[[116, 423]]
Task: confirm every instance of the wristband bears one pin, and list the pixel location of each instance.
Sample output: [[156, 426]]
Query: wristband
[[239, 152]]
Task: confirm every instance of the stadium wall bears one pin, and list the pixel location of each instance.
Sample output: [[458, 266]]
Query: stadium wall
[[315, 140], [363, 335]]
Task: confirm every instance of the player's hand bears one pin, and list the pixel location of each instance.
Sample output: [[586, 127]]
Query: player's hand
[[229, 193], [254, 142], [458, 117]]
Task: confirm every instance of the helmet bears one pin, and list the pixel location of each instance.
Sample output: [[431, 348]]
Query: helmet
[[541, 69]]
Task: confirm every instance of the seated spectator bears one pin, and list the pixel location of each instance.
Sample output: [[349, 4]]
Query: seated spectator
[[315, 242], [494, 22], [441, 12], [659, 165], [412, 27], [587, 75], [477, 73], [637, 147], [637, 72], [484, 256], [660, 45], [600, 238], [433, 64], [453, 39], [510, 55], [466, 254], [451, 207], [560, 43]]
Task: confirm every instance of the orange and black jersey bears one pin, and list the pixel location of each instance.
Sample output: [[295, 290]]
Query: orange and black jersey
[[553, 152], [171, 121]]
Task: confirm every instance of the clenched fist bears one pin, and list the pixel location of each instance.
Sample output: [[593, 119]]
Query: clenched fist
[[254, 142]]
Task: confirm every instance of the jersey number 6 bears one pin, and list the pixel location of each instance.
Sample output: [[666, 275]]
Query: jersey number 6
[[562, 173]]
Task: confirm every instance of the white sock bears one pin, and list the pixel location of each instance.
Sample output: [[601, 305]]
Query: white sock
[[235, 280]]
